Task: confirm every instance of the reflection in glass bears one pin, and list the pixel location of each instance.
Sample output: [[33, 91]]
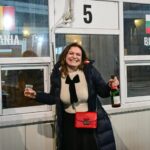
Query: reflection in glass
[[13, 84], [138, 81], [30, 31], [103, 49], [136, 37]]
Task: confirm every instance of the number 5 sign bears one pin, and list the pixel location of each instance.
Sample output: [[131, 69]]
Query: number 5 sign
[[87, 13], [95, 14]]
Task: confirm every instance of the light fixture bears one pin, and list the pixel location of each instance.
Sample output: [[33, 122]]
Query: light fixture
[[26, 32], [138, 22]]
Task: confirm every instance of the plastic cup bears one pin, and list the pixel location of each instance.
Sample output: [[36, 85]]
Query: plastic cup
[[29, 86]]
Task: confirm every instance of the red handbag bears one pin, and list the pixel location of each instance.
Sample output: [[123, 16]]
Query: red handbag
[[85, 119]]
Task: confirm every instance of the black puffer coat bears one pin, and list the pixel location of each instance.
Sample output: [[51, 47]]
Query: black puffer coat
[[96, 87]]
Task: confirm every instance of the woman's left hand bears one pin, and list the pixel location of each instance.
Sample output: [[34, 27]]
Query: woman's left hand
[[113, 83]]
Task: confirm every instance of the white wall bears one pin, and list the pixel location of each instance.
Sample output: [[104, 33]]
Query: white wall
[[30, 137], [132, 130]]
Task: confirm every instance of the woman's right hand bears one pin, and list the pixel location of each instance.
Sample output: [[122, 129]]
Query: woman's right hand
[[29, 92]]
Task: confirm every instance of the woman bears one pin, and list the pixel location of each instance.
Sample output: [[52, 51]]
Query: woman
[[73, 66]]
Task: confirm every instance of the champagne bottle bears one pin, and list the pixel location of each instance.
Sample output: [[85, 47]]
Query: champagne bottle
[[115, 95]]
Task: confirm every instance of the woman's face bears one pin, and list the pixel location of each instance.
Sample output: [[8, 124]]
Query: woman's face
[[74, 57]]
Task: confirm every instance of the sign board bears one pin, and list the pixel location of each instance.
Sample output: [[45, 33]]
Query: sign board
[[95, 14]]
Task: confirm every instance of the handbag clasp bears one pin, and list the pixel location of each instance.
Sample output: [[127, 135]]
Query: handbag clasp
[[86, 122]]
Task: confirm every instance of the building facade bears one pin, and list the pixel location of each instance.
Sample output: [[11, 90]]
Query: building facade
[[114, 33]]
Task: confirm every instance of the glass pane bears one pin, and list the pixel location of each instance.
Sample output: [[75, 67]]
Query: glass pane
[[138, 81], [136, 29], [103, 49], [27, 29], [13, 84]]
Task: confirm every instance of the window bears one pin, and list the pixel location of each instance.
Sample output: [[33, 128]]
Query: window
[[139, 82], [103, 49], [27, 30], [15, 78], [13, 85], [136, 29], [137, 50], [24, 41]]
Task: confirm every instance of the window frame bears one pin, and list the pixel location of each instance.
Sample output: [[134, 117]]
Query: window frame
[[130, 60], [29, 109], [136, 99], [40, 62]]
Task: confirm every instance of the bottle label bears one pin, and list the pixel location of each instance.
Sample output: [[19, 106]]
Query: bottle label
[[116, 99]]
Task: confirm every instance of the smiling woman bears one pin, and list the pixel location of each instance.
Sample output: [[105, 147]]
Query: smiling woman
[[71, 74], [103, 50], [73, 58]]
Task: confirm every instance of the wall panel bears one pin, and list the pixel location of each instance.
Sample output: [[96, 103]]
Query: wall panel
[[40, 137], [12, 138], [132, 130]]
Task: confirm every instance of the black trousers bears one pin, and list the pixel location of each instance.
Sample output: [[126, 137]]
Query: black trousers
[[77, 139]]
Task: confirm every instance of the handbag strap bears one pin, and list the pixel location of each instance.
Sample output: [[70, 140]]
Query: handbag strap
[[97, 105]]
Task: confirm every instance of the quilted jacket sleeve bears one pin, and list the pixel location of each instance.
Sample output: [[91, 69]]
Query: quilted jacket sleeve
[[45, 98], [102, 88]]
